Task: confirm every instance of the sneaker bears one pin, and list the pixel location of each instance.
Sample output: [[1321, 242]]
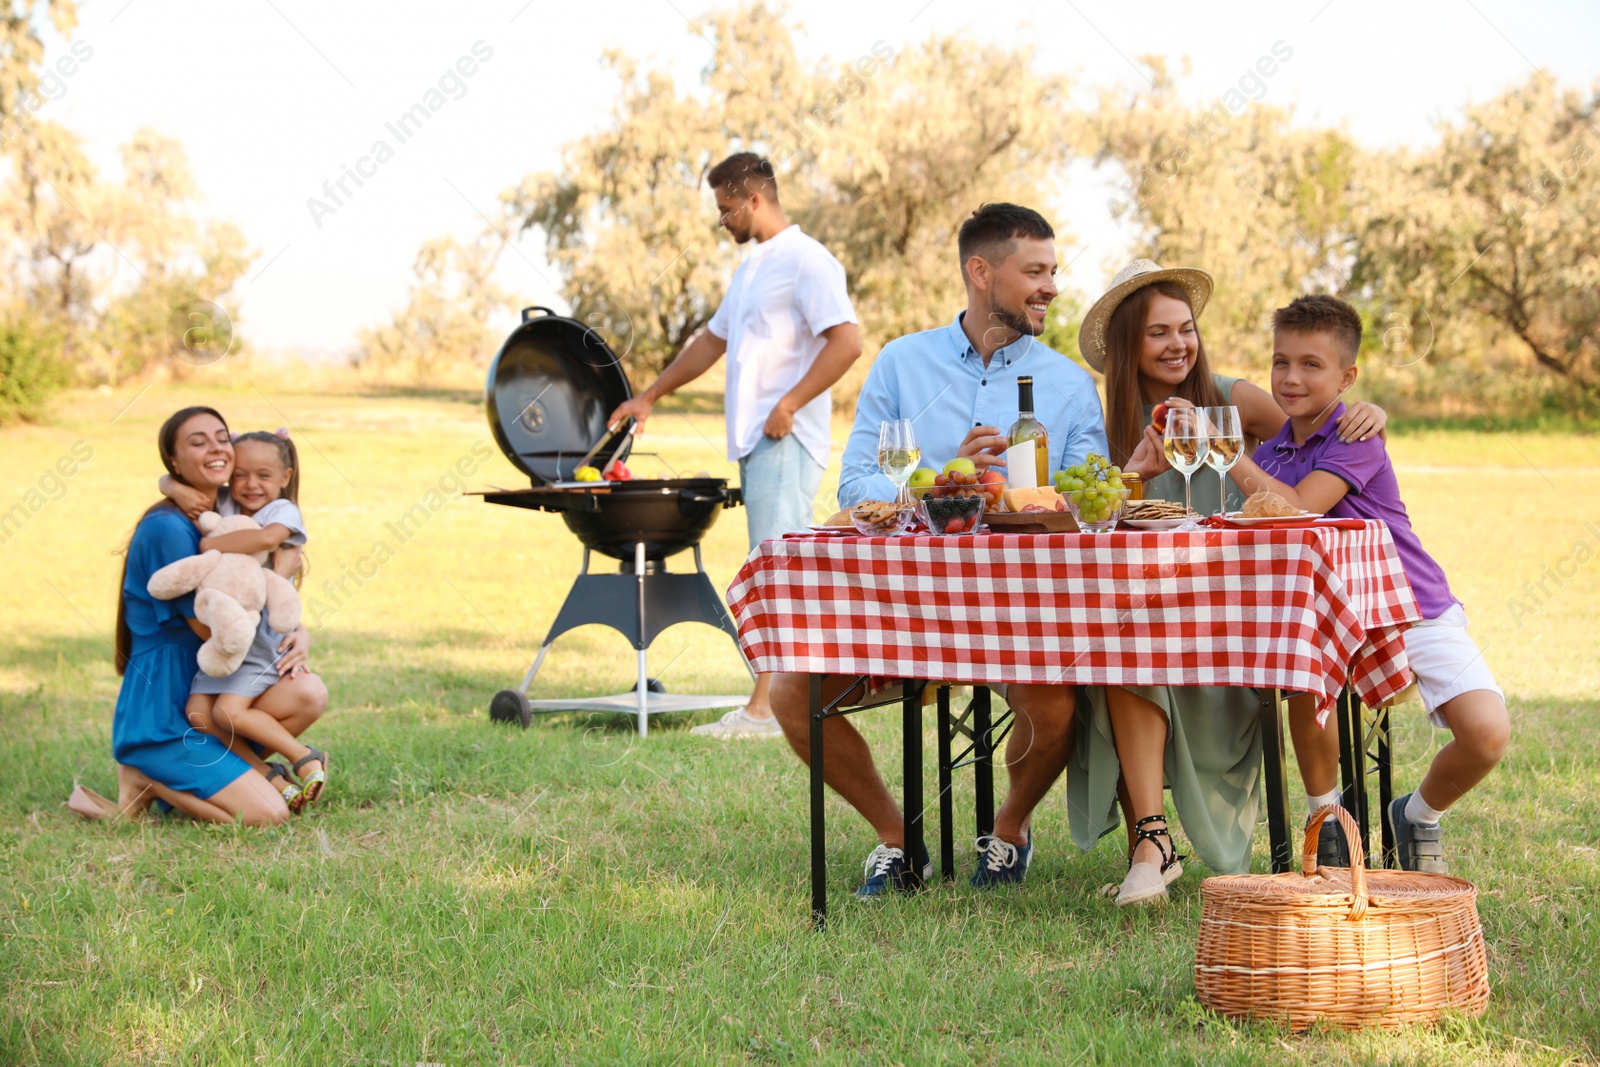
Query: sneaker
[[738, 723], [1001, 862], [1333, 850], [888, 871], [1420, 848]]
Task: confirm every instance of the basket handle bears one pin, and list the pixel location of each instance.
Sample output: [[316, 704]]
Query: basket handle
[[1358, 856]]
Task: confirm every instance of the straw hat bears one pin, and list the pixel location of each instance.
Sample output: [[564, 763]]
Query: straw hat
[[1136, 275]]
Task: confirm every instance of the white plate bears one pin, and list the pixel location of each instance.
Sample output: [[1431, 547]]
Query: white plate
[[1240, 520], [1154, 524], [832, 529]]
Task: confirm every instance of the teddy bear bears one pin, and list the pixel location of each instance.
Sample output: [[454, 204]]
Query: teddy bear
[[230, 588]]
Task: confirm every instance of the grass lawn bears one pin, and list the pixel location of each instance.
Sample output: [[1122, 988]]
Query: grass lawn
[[475, 894]]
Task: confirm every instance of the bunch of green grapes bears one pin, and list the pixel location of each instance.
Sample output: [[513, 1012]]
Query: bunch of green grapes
[[1092, 485]]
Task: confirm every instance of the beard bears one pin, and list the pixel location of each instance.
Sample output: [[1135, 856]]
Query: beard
[[1017, 321]]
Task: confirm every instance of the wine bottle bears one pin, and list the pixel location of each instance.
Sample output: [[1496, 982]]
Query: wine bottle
[[1028, 444]]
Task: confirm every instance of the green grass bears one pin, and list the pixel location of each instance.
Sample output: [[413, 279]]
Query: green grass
[[473, 894]]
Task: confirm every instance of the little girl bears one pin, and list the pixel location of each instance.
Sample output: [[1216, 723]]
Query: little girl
[[265, 485]]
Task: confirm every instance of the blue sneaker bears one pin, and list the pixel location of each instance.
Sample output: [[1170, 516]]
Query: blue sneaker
[[888, 871], [1001, 862]]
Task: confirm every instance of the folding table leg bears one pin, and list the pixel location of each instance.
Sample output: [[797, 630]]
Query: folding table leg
[[1275, 769], [1352, 763], [982, 761], [819, 846], [1381, 724], [911, 764], [947, 854]]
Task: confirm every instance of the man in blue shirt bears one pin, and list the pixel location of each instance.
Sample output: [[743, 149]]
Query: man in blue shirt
[[958, 385]]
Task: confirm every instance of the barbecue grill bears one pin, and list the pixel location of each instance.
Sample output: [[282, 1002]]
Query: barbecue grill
[[550, 389]]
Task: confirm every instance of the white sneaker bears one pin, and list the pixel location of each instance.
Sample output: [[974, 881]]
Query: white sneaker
[[738, 723]]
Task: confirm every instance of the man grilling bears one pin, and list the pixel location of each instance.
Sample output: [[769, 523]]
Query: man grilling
[[958, 384], [789, 331]]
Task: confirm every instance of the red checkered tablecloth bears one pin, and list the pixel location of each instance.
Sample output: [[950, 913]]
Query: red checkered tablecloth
[[1296, 609]]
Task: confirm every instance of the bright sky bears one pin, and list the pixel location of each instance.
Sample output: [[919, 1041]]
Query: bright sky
[[272, 98]]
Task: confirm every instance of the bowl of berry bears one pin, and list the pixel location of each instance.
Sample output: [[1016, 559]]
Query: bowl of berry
[[951, 515]]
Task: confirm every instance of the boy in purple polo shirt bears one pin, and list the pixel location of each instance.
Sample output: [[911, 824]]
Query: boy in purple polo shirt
[[1314, 343]]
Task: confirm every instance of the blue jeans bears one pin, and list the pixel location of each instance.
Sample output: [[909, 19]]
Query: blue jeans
[[779, 479]]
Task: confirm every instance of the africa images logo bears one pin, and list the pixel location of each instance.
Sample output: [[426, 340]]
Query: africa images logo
[[452, 85]]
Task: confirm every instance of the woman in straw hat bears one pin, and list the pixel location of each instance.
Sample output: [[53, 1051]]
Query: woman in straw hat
[[1203, 741]]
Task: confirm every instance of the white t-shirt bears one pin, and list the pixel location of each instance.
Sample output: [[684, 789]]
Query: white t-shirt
[[284, 513], [781, 299]]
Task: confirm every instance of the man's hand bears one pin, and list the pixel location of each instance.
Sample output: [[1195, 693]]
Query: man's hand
[[637, 409], [781, 422], [294, 649], [985, 446]]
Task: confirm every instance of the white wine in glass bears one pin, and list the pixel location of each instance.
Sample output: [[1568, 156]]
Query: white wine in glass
[[898, 463], [1224, 442], [1185, 445], [898, 454]]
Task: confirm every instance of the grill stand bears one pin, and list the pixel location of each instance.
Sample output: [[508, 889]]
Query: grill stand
[[639, 606]]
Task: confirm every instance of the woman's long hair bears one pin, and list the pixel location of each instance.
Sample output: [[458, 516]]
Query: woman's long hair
[[1124, 343], [167, 444]]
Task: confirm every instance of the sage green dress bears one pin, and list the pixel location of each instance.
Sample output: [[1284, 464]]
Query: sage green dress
[[1213, 755]]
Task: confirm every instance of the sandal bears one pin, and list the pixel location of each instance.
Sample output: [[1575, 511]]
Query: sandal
[[292, 794], [316, 780], [1147, 882]]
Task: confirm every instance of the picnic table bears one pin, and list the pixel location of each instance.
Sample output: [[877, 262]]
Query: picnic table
[[1313, 609]]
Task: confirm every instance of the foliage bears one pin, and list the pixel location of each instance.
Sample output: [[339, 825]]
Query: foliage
[[21, 51], [879, 156], [1239, 191], [31, 367], [1486, 238], [109, 263], [446, 318], [1498, 222]]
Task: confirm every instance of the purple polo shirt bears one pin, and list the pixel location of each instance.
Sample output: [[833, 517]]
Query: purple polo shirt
[[1374, 494]]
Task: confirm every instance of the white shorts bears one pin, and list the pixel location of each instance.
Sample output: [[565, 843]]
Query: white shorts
[[1446, 662]]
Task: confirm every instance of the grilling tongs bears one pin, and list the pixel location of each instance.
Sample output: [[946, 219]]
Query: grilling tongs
[[617, 433]]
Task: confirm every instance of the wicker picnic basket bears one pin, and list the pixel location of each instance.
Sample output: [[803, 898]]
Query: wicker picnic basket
[[1351, 947]]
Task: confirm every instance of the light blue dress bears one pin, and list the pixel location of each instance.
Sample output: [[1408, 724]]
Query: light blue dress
[[148, 730]]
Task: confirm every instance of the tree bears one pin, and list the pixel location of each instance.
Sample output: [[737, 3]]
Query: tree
[[879, 156], [445, 320], [1237, 191], [1499, 221], [106, 264], [21, 50]]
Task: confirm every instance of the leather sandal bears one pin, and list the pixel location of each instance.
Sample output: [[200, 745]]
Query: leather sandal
[[292, 794], [1147, 883], [314, 782]]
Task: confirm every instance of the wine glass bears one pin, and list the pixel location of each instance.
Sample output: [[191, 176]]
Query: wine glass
[[1224, 443], [1185, 446], [898, 455]]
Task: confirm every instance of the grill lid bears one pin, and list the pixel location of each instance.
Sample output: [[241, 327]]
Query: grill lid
[[549, 390]]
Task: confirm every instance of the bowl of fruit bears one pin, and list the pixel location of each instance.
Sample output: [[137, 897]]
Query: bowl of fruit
[[960, 477], [949, 515], [1095, 493]]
